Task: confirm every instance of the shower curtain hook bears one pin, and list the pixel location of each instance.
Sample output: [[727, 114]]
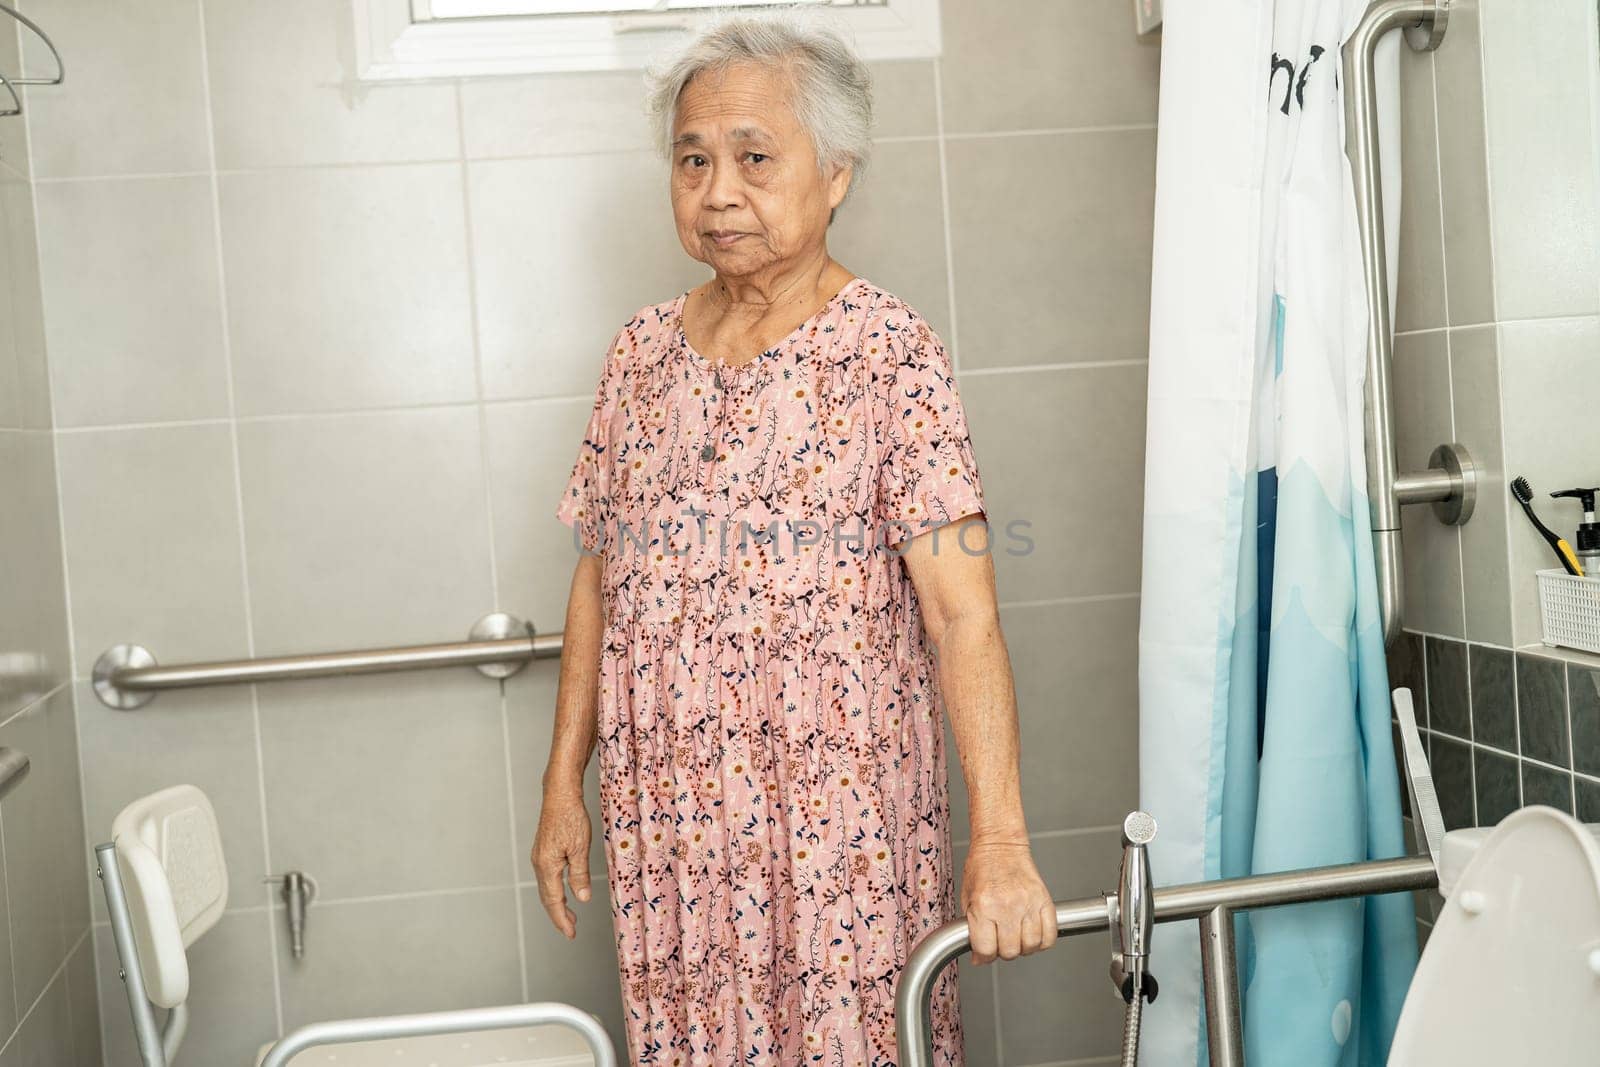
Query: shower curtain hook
[[61, 68]]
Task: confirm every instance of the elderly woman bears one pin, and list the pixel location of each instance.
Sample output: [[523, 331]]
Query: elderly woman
[[786, 566]]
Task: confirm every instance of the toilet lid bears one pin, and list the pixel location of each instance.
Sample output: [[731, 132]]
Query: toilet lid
[[1511, 972]]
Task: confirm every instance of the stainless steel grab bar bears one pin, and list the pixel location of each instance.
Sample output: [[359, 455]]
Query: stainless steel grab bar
[[499, 645], [1450, 483], [1200, 900]]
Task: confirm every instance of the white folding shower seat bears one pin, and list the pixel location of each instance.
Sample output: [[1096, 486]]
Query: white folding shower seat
[[166, 885]]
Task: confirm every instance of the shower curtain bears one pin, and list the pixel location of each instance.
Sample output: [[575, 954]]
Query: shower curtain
[[1264, 719]]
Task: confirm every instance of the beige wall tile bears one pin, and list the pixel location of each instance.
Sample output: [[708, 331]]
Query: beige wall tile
[[1464, 168], [530, 720], [1044, 64], [385, 785], [904, 98], [1544, 187], [8, 993], [891, 230], [13, 134], [425, 953], [1551, 438], [1431, 551], [204, 737], [130, 274], [365, 530], [83, 1000], [231, 1000], [152, 536], [1058, 1005], [45, 1037], [283, 92], [581, 972], [133, 100], [1063, 452], [347, 288], [42, 826], [1052, 260], [532, 446], [555, 114], [566, 250], [1077, 678], [1475, 368], [1419, 272], [30, 406], [33, 617]]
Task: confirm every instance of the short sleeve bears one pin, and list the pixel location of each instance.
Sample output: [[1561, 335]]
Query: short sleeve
[[927, 472], [585, 503]]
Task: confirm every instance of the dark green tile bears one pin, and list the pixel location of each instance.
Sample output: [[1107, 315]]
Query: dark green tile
[[1494, 697], [1588, 800], [1405, 672], [1447, 687], [1452, 778], [1542, 709], [1498, 792], [1541, 785], [1585, 685]]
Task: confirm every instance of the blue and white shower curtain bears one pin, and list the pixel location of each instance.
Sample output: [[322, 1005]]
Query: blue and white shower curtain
[[1264, 719]]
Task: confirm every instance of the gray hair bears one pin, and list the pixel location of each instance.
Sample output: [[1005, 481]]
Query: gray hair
[[831, 86]]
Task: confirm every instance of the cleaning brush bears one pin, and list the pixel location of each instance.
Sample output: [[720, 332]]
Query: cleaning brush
[[1524, 494]]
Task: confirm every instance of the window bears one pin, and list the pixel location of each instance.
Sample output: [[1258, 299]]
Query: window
[[461, 38]]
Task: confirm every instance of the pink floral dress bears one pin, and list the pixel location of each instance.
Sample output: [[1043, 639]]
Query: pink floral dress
[[772, 759]]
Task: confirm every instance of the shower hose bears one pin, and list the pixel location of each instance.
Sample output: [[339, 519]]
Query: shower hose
[[1130, 1031]]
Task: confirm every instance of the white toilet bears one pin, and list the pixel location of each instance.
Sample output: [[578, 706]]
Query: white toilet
[[174, 884], [1511, 972]]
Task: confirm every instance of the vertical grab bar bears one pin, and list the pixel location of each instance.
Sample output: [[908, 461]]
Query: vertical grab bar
[[1450, 481]]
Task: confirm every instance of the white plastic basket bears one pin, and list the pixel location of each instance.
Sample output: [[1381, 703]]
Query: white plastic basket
[[1569, 609]]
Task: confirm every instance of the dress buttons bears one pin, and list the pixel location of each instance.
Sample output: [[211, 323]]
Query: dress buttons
[[709, 452]]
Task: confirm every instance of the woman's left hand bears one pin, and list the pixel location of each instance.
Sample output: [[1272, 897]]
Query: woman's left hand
[[1007, 906]]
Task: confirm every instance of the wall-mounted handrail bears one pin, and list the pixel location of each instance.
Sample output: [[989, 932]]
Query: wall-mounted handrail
[[913, 1014], [499, 645], [1451, 481]]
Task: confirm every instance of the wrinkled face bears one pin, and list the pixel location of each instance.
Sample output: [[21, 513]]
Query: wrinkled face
[[747, 193]]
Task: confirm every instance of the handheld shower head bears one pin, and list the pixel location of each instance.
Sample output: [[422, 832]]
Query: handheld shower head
[[1133, 918]]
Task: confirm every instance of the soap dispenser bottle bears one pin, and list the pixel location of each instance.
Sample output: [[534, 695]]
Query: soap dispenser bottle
[[1588, 541]]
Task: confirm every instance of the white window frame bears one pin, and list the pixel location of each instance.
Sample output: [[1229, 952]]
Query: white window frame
[[394, 43]]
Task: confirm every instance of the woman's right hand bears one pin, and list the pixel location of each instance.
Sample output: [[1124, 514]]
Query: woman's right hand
[[561, 849]]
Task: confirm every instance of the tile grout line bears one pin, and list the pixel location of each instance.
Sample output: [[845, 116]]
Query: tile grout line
[[16, 1009], [59, 972], [1515, 757], [525, 157], [1572, 751], [40, 702], [488, 504], [390, 409], [1516, 721], [213, 173], [1070, 365], [1450, 359]]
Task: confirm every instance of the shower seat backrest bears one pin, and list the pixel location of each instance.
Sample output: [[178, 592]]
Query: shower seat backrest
[[169, 849]]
